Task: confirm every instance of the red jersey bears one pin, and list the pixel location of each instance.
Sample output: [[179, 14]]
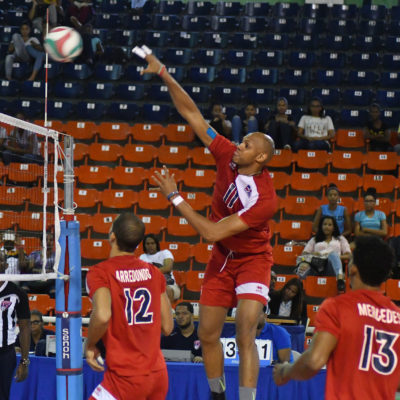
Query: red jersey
[[364, 364], [132, 339], [252, 197]]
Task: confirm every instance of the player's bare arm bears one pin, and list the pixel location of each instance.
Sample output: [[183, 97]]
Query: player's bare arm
[[211, 231], [167, 322], [99, 319], [310, 362], [182, 101]]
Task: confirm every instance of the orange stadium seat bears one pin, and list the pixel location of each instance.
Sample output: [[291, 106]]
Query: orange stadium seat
[[282, 280], [179, 133], [81, 150], [178, 174], [347, 160], [173, 155], [7, 219], [147, 132], [198, 201], [118, 199], [300, 205], [286, 255], [178, 226], [86, 306], [33, 221], [347, 202], [201, 156], [312, 311], [180, 250], [102, 222], [376, 161], [93, 174], [345, 182], [85, 221], [281, 180], [312, 159], [202, 252], [24, 173], [393, 289], [194, 280], [307, 181], [154, 223], [128, 176], [199, 178], [114, 131], [180, 278], [95, 249], [382, 183], [31, 244], [43, 303], [320, 286], [105, 152], [82, 130], [152, 200], [349, 138], [86, 198], [294, 230], [281, 159], [13, 195], [140, 153]]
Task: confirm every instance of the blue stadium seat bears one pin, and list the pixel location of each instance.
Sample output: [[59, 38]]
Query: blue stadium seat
[[202, 74], [337, 42], [225, 8], [137, 22], [391, 62], [368, 43], [241, 40], [90, 110], [159, 92], [179, 73], [111, 72], [365, 60], [357, 97], [342, 27], [262, 115], [285, 10], [295, 113], [233, 75], [353, 117], [295, 77], [106, 20], [341, 11], [253, 24], [256, 9], [312, 26], [370, 27], [260, 95], [156, 38], [77, 71], [15, 17], [372, 11], [294, 96], [264, 76], [3, 50], [21, 70], [240, 58], [329, 77], [195, 23], [124, 37], [171, 7], [218, 40], [178, 56], [5, 106], [332, 60], [317, 11], [223, 24], [306, 42], [156, 112], [102, 34], [32, 89], [59, 109], [185, 39], [123, 111], [275, 41], [329, 97], [282, 25], [9, 88], [302, 59], [30, 108], [390, 80], [388, 98], [392, 43], [199, 7], [208, 57], [226, 94], [199, 94], [269, 58], [130, 91], [6, 33], [112, 6], [362, 78], [55, 69], [165, 22], [132, 73], [100, 90], [391, 118]]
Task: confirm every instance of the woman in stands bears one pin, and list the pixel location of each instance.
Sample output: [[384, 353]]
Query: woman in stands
[[377, 131], [288, 301], [164, 260], [370, 221], [335, 210], [326, 245], [315, 129]]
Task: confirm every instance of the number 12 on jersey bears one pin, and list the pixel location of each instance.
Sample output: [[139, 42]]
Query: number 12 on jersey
[[137, 306]]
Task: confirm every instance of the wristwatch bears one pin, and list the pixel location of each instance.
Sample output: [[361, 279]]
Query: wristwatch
[[25, 361]]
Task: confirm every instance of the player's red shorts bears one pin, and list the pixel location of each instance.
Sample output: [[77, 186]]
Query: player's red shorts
[[146, 387], [231, 276]]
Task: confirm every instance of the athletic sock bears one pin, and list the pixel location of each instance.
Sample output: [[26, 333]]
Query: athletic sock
[[218, 396], [246, 393], [217, 385]]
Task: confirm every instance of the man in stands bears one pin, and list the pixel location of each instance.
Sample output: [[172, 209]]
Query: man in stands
[[357, 333]]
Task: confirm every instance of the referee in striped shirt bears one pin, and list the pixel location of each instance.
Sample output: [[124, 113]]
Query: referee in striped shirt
[[14, 307]]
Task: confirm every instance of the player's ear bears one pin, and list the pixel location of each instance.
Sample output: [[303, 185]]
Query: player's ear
[[262, 158], [112, 238], [353, 271]]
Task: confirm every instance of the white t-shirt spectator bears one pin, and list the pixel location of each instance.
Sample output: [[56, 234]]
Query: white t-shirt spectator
[[159, 258], [339, 246], [315, 127]]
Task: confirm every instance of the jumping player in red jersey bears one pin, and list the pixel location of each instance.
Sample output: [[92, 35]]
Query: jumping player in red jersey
[[130, 310], [239, 269], [357, 333]]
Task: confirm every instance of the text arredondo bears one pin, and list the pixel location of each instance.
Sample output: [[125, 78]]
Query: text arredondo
[[384, 315], [133, 275]]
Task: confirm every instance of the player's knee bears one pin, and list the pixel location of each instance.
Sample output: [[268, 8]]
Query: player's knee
[[207, 336], [245, 339]]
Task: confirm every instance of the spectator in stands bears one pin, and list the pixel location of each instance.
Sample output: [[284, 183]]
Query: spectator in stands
[[23, 47], [184, 336], [37, 14], [12, 255], [280, 338], [273, 281], [376, 131], [241, 127], [281, 126], [315, 129], [37, 331], [288, 301], [79, 12], [370, 221], [35, 262], [219, 122], [93, 49], [335, 210], [164, 260], [328, 249]]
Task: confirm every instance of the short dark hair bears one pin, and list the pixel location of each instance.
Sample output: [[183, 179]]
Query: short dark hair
[[128, 230], [186, 304], [151, 236], [320, 235], [374, 259], [370, 192], [38, 314]]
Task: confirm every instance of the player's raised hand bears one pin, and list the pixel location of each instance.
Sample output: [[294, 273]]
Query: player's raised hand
[[279, 374], [92, 357], [154, 65], [165, 182]]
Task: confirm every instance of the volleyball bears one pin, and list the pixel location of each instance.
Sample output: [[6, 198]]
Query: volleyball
[[63, 44]]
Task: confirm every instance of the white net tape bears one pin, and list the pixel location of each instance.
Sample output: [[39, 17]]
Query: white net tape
[[29, 202]]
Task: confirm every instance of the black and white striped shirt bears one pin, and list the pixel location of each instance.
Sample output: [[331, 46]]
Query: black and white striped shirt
[[14, 305]]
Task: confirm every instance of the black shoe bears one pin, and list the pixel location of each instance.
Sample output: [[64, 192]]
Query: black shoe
[[341, 286], [217, 396]]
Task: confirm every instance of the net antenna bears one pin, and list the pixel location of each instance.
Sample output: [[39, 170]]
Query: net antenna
[[33, 187]]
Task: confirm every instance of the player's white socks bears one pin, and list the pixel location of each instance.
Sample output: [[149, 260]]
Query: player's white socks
[[217, 385], [246, 393]]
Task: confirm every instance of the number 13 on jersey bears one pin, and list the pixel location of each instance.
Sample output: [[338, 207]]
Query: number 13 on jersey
[[137, 306]]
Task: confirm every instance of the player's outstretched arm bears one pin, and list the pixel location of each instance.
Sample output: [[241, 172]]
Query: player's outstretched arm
[[182, 101], [167, 322]]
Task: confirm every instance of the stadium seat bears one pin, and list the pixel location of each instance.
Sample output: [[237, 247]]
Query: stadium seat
[[393, 289], [71, 90], [139, 153], [317, 286], [21, 70], [373, 12], [244, 40], [14, 196], [347, 138], [178, 73], [233, 75], [116, 132], [342, 27], [257, 9], [347, 160], [283, 10], [96, 90], [155, 38], [379, 161], [341, 11], [281, 180], [178, 226], [329, 77], [302, 59], [124, 37], [208, 56], [334, 42], [240, 58], [312, 311], [297, 77], [391, 61], [80, 130], [162, 22], [194, 280], [156, 112], [382, 183], [24, 173], [307, 181], [179, 133], [283, 25], [30, 243], [9, 88], [77, 71], [225, 8], [286, 255], [390, 79], [275, 41], [6, 32], [216, 40], [111, 72], [223, 23], [306, 42], [311, 159], [195, 7], [388, 98], [293, 95], [132, 73], [264, 76], [153, 223], [393, 42], [42, 303], [105, 152], [267, 58], [253, 23], [128, 176], [33, 221], [30, 108], [305, 206], [147, 132], [180, 250], [294, 230], [185, 39], [333, 60], [95, 249], [170, 6], [363, 61], [199, 94], [352, 117], [152, 200], [199, 178], [226, 94], [8, 219], [369, 43], [59, 109], [357, 97], [282, 159], [202, 74], [282, 279], [136, 22], [178, 56], [107, 21], [102, 223], [91, 110], [173, 155], [202, 252], [199, 201], [362, 78], [392, 118], [32, 89], [192, 23], [93, 175], [201, 156], [329, 97], [86, 198], [312, 26]]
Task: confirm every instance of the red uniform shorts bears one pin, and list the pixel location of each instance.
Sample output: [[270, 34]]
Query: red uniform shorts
[[231, 276], [145, 387]]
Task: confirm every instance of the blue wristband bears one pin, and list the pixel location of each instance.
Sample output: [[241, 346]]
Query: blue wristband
[[172, 194]]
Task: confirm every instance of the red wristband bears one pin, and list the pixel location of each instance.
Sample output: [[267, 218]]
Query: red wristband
[[161, 71]]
